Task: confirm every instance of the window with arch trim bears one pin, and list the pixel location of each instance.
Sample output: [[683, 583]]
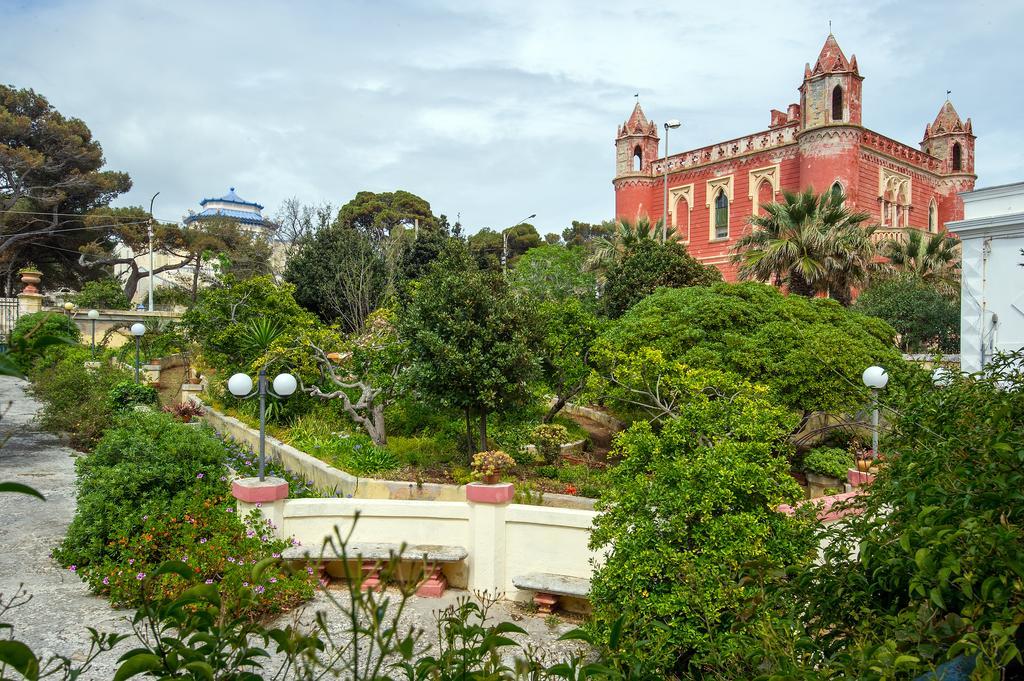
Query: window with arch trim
[[638, 159], [957, 154], [721, 215], [933, 217], [837, 189], [837, 103]]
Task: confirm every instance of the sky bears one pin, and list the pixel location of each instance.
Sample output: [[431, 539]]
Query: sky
[[491, 111]]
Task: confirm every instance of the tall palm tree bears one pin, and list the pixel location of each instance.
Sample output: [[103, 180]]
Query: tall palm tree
[[932, 258], [810, 242]]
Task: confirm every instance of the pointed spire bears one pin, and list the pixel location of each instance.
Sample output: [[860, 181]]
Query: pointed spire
[[637, 124], [831, 58], [853, 64], [948, 120]]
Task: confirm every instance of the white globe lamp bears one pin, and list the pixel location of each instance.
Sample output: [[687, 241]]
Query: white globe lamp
[[138, 329], [94, 314], [240, 385], [875, 377], [285, 384]]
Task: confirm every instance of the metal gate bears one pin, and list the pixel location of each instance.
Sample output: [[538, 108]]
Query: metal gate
[[8, 318]]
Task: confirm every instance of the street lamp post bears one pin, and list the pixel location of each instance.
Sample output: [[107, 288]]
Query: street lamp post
[[93, 316], [240, 385], [504, 241], [138, 330], [69, 308], [876, 378], [150, 233], [669, 125]]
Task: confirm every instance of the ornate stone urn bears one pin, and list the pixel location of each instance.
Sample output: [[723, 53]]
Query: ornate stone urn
[[30, 276]]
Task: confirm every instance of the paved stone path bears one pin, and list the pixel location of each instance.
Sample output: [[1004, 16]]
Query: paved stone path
[[61, 606]]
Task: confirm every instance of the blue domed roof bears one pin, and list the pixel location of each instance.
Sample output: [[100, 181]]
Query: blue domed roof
[[231, 206], [232, 197]]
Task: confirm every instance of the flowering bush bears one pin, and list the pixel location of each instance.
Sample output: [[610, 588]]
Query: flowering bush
[[245, 464], [492, 462], [548, 439]]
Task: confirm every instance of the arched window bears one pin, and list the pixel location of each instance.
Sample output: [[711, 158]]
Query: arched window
[[837, 190], [681, 219], [721, 215], [837, 103], [957, 161], [765, 194], [933, 217], [638, 159]]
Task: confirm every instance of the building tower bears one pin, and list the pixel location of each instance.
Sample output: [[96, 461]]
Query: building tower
[[636, 147], [950, 140], [830, 121]]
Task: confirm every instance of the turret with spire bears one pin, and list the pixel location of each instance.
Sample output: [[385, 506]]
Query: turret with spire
[[831, 91], [636, 145], [951, 139]]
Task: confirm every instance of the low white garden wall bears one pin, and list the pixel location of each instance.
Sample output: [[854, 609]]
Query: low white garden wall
[[326, 477], [503, 540]]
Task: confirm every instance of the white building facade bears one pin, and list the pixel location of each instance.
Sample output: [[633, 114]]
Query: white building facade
[[992, 280]]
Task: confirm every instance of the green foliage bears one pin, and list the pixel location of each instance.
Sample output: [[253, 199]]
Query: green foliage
[[688, 509], [39, 325], [646, 266], [75, 399], [471, 342], [925, 319], [811, 353], [102, 294], [154, 490], [219, 320], [548, 438], [933, 563], [353, 453], [125, 395], [554, 273], [829, 461], [377, 214], [568, 331], [487, 245], [340, 275], [585, 234], [172, 296]]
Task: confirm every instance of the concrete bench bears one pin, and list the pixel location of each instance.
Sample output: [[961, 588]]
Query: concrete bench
[[549, 587], [374, 554]]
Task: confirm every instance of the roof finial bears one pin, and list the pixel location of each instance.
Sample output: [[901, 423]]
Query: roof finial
[[948, 93], [231, 188], [637, 97], [830, 27]]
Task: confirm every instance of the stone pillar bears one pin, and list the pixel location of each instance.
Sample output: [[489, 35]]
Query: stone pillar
[[267, 496], [190, 391], [487, 551]]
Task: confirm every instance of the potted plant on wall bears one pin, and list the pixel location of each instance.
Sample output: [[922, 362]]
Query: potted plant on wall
[[30, 276], [488, 466]]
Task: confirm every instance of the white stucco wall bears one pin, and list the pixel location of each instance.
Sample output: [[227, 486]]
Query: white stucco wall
[[992, 282]]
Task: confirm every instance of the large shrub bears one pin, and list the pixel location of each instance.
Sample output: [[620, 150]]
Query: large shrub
[[810, 352], [75, 398], [688, 509], [154, 490], [220, 320], [925, 319], [648, 265], [931, 569], [102, 294], [30, 328]]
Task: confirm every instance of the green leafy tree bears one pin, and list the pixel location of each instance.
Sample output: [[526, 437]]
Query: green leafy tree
[[812, 243], [810, 352], [488, 246], [220, 320], [585, 233], [376, 215], [647, 265], [554, 273], [472, 343], [925, 319], [102, 294], [687, 511], [569, 329], [339, 275], [51, 177]]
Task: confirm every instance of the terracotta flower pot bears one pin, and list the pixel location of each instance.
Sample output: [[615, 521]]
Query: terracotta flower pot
[[492, 479], [863, 465], [30, 278]]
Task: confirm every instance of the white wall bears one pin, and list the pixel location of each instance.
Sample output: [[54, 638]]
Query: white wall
[[503, 540], [992, 282]]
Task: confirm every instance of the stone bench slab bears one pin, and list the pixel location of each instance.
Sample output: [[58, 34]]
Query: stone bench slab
[[431, 553], [562, 585]]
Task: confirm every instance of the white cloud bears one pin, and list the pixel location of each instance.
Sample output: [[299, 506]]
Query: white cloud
[[493, 110]]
